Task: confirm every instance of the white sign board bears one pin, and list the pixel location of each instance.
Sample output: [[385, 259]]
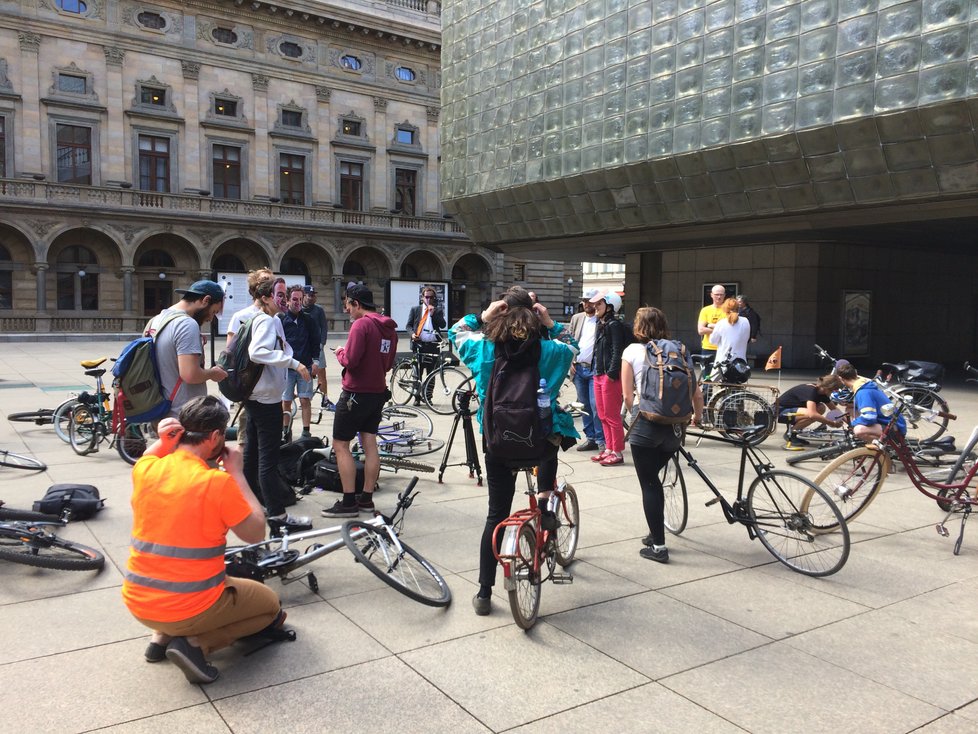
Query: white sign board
[[406, 294], [236, 296]]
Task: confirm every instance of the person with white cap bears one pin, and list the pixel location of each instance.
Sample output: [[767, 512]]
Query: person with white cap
[[609, 344], [583, 327]]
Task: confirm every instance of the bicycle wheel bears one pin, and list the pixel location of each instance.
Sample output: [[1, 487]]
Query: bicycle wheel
[[17, 461], [825, 453], [407, 571], [62, 415], [40, 417], [740, 409], [524, 597], [131, 444], [8, 515], [82, 430], [396, 462], [788, 514], [926, 413], [853, 480], [33, 546], [403, 384], [409, 445], [569, 515], [404, 417], [440, 386], [674, 493]]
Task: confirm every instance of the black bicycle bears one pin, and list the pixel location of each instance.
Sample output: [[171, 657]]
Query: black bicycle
[[27, 538], [783, 510], [437, 388]]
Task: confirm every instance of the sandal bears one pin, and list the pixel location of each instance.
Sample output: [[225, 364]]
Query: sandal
[[612, 459], [602, 456]]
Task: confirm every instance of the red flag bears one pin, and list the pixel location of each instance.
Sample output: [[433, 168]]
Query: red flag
[[774, 361]]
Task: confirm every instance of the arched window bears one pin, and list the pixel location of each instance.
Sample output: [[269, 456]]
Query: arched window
[[295, 266], [290, 49], [228, 263], [405, 74], [6, 279], [77, 279], [73, 6], [350, 62], [409, 271], [224, 35], [154, 21], [156, 259], [354, 268]]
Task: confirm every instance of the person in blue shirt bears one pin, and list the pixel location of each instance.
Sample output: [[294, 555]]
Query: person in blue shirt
[[511, 323], [868, 416]]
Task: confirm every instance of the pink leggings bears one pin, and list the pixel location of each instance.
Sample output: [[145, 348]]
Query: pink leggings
[[608, 400]]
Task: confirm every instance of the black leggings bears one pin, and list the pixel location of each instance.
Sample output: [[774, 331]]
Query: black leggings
[[649, 461]]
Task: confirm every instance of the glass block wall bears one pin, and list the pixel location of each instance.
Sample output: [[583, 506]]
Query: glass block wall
[[536, 91]]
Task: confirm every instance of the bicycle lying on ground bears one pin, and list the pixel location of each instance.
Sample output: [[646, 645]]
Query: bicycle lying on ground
[[19, 461], [57, 417], [92, 421], [27, 538], [437, 388], [786, 512], [856, 478], [529, 553], [375, 543]]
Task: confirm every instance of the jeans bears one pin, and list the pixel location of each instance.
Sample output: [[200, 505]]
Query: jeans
[[501, 484], [584, 382], [649, 461], [263, 439], [607, 393]]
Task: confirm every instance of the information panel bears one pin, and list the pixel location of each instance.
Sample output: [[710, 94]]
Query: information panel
[[236, 296], [404, 295]]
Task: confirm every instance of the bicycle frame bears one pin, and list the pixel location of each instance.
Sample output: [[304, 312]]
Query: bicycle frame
[[957, 491]]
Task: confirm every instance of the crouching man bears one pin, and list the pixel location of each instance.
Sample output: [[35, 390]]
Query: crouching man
[[182, 512]]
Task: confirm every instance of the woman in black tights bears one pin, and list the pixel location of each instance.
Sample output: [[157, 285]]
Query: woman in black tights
[[652, 444]]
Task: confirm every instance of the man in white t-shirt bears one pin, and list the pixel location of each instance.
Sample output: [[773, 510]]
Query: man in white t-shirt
[[583, 326]]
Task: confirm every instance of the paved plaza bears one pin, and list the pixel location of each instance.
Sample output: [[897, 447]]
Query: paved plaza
[[722, 639]]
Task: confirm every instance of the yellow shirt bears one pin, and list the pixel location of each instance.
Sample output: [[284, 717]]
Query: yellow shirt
[[709, 315]]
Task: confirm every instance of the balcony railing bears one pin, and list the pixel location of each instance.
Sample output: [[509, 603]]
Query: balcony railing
[[56, 195]]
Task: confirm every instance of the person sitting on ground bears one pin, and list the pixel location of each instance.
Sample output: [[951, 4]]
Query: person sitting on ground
[[182, 511], [803, 405], [512, 326], [869, 405]]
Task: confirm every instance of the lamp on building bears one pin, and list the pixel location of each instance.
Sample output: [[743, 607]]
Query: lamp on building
[[162, 275], [81, 272], [569, 301], [462, 287]]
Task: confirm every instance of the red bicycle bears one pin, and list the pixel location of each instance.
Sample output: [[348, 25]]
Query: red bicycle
[[529, 554]]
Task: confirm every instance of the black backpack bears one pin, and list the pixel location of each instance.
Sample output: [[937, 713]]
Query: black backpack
[[82, 500], [516, 431], [243, 373]]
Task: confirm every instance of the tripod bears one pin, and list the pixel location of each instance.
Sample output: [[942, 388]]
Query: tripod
[[462, 401]]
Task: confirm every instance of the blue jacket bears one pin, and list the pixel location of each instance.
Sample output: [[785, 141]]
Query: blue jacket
[[868, 401], [479, 354]]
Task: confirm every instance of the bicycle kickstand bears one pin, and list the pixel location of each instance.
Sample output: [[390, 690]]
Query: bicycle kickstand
[[942, 527]]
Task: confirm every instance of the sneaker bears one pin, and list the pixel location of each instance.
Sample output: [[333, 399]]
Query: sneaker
[[155, 653], [289, 523], [306, 433], [327, 404], [191, 661], [482, 605], [589, 445], [660, 555], [793, 446], [794, 439], [365, 503], [548, 520], [612, 459], [341, 510], [600, 457], [287, 436]]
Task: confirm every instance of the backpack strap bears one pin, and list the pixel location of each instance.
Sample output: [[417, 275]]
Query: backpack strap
[[167, 320]]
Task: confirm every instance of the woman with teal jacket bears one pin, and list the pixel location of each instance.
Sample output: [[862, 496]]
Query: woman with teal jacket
[[513, 323]]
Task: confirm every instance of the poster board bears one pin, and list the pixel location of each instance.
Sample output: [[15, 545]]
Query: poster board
[[403, 295], [236, 296], [857, 319]]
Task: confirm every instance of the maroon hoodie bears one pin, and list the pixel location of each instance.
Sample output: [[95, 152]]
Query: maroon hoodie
[[369, 353]]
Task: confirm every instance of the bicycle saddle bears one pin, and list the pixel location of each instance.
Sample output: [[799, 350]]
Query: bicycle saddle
[[92, 363]]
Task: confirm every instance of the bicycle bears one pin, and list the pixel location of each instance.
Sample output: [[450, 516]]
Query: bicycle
[[969, 453], [92, 420], [784, 510], [56, 417], [437, 388], [729, 408], [375, 543], [857, 477], [26, 538], [529, 554], [19, 461]]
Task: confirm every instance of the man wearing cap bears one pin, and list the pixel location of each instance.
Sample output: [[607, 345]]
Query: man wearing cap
[[318, 314], [425, 324], [179, 346], [709, 316], [583, 327], [366, 359]]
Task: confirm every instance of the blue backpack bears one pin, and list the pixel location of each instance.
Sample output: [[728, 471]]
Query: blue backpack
[[137, 375]]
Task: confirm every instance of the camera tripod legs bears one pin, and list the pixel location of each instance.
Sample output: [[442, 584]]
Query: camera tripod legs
[[471, 450]]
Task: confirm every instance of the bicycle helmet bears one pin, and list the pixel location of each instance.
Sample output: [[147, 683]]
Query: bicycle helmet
[[611, 298], [736, 371], [842, 395]]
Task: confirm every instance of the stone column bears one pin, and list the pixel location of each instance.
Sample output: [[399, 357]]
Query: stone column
[[113, 143], [264, 167], [432, 197], [194, 171], [40, 276], [127, 288], [380, 194], [28, 151], [323, 130]]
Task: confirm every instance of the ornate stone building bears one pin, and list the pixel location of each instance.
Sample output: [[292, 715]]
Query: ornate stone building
[[144, 145]]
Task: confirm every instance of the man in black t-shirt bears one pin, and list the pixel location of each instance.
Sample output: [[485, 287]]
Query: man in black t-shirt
[[803, 405]]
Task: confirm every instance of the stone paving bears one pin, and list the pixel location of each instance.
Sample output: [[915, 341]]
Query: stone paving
[[722, 639]]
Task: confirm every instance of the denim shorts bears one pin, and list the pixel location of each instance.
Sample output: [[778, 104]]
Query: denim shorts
[[294, 383]]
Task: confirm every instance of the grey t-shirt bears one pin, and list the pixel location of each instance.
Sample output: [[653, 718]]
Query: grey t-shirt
[[181, 336]]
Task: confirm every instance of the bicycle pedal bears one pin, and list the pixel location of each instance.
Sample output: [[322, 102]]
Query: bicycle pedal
[[942, 531], [711, 502], [562, 577]]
